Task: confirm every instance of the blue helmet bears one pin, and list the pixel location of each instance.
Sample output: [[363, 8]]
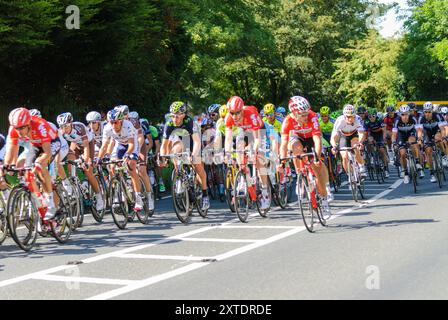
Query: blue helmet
[[280, 110], [115, 114], [214, 108]]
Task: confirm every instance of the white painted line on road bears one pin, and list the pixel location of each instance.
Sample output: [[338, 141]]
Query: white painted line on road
[[117, 282], [160, 257], [149, 281], [218, 240], [152, 280], [255, 227], [33, 275]]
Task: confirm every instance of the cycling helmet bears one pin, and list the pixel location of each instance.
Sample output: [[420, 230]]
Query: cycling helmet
[[379, 115], [281, 110], [324, 111], [349, 110], [223, 111], [64, 118], [124, 109], [115, 114], [299, 104], [335, 114], [93, 117], [19, 117], [444, 110], [269, 109], [361, 109], [178, 106], [428, 106], [214, 108], [412, 105], [35, 113], [235, 104], [390, 109], [404, 108], [133, 115]]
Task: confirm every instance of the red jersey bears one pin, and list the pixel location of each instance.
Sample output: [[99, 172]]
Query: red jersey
[[41, 132], [308, 130], [251, 119], [389, 122]]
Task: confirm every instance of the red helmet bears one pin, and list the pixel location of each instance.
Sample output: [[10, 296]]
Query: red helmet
[[299, 104], [19, 117], [235, 104]]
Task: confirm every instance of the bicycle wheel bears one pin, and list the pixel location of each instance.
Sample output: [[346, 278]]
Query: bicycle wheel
[[23, 218], [181, 199], [352, 182], [437, 162], [143, 215], [221, 178], [229, 189], [3, 220], [98, 215], [332, 175], [282, 192], [320, 214], [305, 203], [210, 182], [198, 198], [241, 196], [360, 184], [60, 225], [119, 205]]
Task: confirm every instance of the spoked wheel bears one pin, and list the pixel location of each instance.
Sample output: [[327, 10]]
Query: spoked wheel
[[198, 199], [119, 205], [229, 189], [23, 218], [242, 198], [320, 214], [413, 173], [60, 225], [211, 183], [438, 168], [352, 183], [181, 199], [3, 219], [306, 207], [143, 215], [282, 191]]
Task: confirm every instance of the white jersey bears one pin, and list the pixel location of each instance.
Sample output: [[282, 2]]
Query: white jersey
[[127, 132], [341, 127], [3, 149], [98, 136]]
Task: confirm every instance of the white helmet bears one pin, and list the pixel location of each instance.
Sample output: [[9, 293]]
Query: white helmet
[[349, 110], [133, 115], [444, 110], [64, 118], [299, 104], [123, 108], [35, 113], [428, 106], [93, 117], [405, 108]]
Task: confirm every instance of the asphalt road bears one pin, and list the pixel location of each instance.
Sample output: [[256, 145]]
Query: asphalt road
[[392, 246]]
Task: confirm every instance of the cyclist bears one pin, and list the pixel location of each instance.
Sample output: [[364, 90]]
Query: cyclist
[[81, 143], [430, 130], [143, 156], [153, 141], [301, 133], [376, 131], [404, 131], [122, 135], [96, 126], [182, 125], [280, 114], [60, 156], [389, 120], [326, 124], [270, 117], [250, 122], [45, 144], [363, 114], [347, 132], [444, 113], [3, 186]]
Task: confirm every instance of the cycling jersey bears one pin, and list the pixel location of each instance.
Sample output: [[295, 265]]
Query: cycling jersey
[[41, 132], [292, 128], [187, 128], [121, 138], [136, 123], [79, 134], [251, 119], [341, 127], [389, 122], [431, 126], [374, 128], [277, 125], [98, 136], [326, 127], [2, 147]]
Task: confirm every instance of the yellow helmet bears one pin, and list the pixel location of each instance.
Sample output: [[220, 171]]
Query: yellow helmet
[[325, 111], [269, 109], [223, 111]]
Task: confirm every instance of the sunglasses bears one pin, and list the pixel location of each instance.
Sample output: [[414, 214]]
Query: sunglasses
[[428, 111], [115, 122], [65, 125], [235, 113], [213, 114], [270, 115], [177, 115], [404, 114], [21, 128]]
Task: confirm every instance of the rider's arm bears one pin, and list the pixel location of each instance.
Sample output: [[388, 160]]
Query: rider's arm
[[150, 141], [85, 144], [196, 144], [318, 144], [45, 156], [284, 146], [229, 140], [131, 146], [164, 147], [104, 147], [11, 153]]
